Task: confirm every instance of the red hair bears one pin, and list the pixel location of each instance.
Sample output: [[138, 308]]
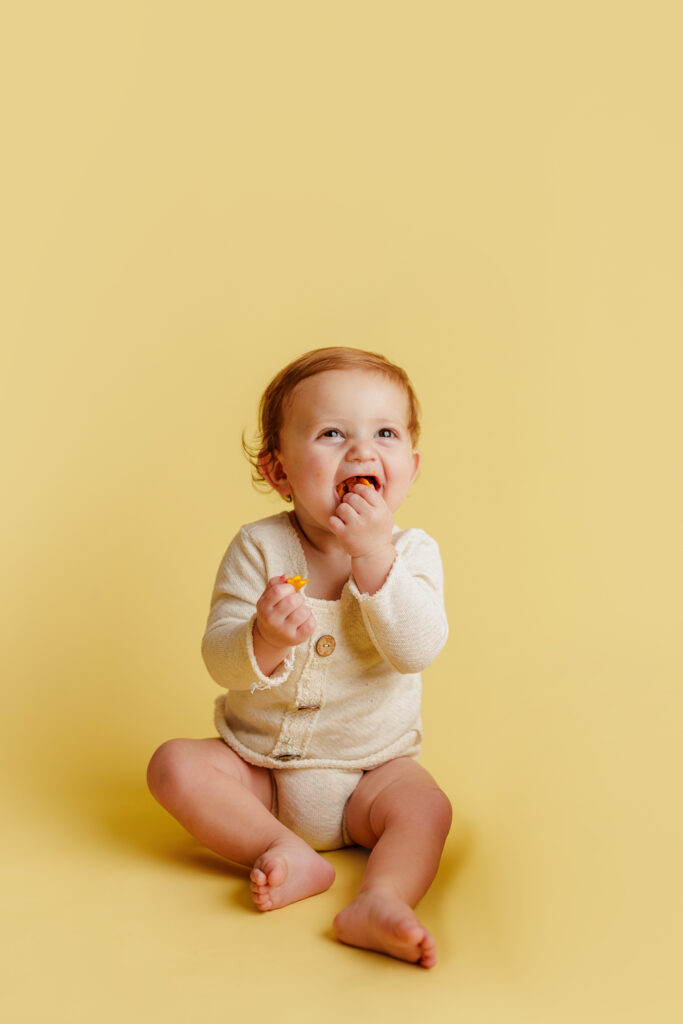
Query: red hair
[[320, 360]]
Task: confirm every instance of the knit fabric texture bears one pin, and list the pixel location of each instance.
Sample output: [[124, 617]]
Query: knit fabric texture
[[359, 706]]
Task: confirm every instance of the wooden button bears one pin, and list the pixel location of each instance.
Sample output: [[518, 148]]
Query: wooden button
[[325, 645]]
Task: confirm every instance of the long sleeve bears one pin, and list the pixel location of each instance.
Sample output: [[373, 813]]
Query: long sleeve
[[227, 647], [353, 703], [405, 618]]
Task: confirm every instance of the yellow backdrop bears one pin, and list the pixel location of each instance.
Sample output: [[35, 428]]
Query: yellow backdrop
[[490, 195]]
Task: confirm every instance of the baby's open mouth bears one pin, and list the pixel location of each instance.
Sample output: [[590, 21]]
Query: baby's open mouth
[[345, 486]]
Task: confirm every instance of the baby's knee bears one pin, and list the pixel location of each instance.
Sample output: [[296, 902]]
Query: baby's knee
[[430, 803], [442, 810], [167, 769]]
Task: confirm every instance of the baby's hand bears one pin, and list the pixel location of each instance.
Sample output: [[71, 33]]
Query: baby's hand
[[283, 619], [363, 522]]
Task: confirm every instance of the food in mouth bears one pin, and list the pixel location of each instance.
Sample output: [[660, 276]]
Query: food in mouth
[[345, 486], [297, 582]]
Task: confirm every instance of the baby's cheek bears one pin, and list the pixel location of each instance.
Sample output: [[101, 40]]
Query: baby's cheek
[[317, 477]]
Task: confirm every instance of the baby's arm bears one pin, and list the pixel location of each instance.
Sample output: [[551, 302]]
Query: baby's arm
[[228, 645], [398, 581], [406, 618], [363, 522], [253, 624], [283, 621]]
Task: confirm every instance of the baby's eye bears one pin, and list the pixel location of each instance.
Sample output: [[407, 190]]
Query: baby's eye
[[332, 432], [386, 432]]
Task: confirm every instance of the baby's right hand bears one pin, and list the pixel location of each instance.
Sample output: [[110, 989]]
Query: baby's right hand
[[283, 619]]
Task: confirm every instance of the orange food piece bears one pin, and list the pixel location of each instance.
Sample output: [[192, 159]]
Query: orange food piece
[[297, 582], [343, 488]]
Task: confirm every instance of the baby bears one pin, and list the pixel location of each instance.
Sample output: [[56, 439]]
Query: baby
[[320, 726]]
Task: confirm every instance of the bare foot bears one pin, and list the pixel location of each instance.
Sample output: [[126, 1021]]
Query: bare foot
[[383, 922], [288, 871]]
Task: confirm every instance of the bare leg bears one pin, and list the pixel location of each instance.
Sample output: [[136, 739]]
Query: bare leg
[[399, 812], [224, 803]]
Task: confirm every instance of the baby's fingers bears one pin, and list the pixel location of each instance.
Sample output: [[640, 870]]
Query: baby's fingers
[[277, 591], [307, 627], [299, 619], [346, 513], [276, 588]]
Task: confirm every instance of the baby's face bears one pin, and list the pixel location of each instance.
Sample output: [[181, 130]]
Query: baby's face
[[343, 424]]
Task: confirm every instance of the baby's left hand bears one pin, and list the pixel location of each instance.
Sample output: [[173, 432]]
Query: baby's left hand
[[363, 522]]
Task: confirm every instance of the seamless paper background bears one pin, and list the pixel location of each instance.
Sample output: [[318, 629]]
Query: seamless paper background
[[488, 194]]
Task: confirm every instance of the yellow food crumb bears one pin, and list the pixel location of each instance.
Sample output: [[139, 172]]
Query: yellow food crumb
[[297, 582]]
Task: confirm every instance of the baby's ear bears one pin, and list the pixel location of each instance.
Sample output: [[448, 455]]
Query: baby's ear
[[417, 459], [273, 471]]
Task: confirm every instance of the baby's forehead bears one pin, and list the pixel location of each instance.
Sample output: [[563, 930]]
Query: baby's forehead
[[338, 392]]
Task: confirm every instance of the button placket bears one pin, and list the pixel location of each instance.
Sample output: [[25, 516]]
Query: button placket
[[299, 720]]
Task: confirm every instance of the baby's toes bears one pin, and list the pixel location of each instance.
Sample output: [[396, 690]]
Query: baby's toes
[[428, 957], [273, 871], [262, 900]]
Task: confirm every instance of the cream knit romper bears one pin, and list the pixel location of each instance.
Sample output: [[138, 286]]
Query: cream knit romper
[[346, 700]]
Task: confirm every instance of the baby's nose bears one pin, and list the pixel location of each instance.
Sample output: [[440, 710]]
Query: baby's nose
[[360, 451]]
